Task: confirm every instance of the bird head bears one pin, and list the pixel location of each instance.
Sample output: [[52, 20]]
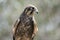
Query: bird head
[[30, 10]]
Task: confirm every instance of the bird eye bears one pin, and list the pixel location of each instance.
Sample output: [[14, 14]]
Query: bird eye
[[32, 7]]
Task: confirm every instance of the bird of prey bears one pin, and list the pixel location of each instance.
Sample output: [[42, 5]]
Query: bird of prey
[[25, 27]]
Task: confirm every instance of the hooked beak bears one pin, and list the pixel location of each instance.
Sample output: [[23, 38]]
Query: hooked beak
[[36, 10]]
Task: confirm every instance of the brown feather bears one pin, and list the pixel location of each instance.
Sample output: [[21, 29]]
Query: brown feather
[[25, 27]]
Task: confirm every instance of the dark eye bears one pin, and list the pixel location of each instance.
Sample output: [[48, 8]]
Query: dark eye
[[32, 7]]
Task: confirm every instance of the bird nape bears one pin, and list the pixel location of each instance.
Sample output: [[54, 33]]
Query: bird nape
[[25, 27]]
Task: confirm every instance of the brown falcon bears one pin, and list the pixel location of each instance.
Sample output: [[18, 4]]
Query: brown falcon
[[25, 27]]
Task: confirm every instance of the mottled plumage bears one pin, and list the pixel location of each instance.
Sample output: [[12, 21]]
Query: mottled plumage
[[25, 27]]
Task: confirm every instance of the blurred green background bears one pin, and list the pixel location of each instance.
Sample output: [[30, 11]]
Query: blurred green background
[[48, 19]]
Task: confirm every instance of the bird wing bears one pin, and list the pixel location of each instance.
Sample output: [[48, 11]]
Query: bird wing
[[15, 27]]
